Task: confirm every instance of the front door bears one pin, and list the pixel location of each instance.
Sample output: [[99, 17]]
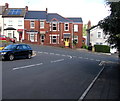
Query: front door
[[42, 39], [67, 42], [20, 36]]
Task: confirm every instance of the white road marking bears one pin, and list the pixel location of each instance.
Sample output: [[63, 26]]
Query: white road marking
[[51, 53], [57, 60], [91, 59], [86, 58], [40, 52], [27, 66], [89, 87], [45, 52], [57, 54], [98, 60], [101, 63], [70, 57], [80, 57]]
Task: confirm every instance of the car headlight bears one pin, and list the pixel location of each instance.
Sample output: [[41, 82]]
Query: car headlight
[[3, 53]]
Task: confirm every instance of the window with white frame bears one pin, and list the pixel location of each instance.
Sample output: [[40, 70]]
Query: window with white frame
[[75, 28], [54, 26], [41, 24], [9, 35], [66, 26], [32, 37], [10, 22], [99, 35], [54, 39], [32, 24], [76, 38], [19, 22]]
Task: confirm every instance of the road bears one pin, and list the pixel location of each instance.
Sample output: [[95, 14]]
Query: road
[[54, 73]]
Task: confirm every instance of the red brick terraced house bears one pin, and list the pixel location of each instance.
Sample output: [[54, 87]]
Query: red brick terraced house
[[52, 29]]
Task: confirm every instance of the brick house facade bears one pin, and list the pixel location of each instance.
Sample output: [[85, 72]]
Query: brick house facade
[[52, 29]]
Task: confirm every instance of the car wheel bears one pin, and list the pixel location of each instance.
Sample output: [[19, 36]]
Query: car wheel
[[11, 57], [29, 56]]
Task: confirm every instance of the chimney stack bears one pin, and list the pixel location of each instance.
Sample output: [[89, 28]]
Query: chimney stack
[[26, 8], [46, 9], [6, 5], [89, 24]]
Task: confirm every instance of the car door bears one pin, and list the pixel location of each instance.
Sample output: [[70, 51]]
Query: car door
[[26, 50], [19, 51]]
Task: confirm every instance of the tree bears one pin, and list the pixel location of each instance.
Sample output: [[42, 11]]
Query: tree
[[111, 24], [84, 29]]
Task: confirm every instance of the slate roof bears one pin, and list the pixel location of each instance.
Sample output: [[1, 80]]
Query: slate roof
[[75, 19], [56, 17], [36, 15], [22, 14]]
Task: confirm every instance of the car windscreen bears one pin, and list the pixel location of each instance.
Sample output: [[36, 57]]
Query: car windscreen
[[10, 47]]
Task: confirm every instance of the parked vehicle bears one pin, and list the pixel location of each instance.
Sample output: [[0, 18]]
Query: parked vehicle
[[13, 40], [3, 37], [14, 51], [1, 47]]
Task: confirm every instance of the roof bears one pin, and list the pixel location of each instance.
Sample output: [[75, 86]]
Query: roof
[[14, 12], [92, 27], [36, 15], [77, 20], [56, 17]]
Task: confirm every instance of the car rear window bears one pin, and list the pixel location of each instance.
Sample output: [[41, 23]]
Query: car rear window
[[28, 47]]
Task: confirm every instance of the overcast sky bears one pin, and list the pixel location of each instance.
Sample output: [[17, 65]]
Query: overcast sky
[[93, 10]]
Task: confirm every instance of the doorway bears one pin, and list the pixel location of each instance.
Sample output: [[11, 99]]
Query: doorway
[[67, 42], [42, 39]]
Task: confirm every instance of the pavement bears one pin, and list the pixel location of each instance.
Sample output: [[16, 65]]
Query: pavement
[[106, 86]]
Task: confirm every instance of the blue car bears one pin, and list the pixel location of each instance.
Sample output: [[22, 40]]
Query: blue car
[[14, 51]]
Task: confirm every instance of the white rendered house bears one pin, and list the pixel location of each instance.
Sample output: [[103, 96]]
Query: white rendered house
[[13, 19], [98, 37]]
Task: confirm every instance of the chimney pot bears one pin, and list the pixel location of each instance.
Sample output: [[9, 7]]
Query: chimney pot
[[6, 5], [26, 8], [46, 9]]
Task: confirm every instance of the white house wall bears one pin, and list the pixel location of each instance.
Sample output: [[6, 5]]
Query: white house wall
[[1, 24], [15, 23], [94, 37]]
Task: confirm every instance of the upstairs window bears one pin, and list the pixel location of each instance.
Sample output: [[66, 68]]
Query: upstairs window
[[32, 24], [66, 28], [54, 26], [19, 22], [41, 24], [99, 35], [10, 22], [75, 28]]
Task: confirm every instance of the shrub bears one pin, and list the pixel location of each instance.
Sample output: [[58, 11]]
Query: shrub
[[84, 46], [102, 48]]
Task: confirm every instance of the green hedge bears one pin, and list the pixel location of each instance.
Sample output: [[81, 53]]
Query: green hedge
[[102, 48]]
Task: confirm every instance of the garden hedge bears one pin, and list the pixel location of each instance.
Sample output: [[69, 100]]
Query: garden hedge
[[102, 48]]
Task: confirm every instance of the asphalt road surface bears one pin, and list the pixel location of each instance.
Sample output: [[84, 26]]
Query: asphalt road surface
[[54, 73]]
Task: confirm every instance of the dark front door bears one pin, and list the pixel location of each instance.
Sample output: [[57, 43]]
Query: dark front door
[[42, 38]]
